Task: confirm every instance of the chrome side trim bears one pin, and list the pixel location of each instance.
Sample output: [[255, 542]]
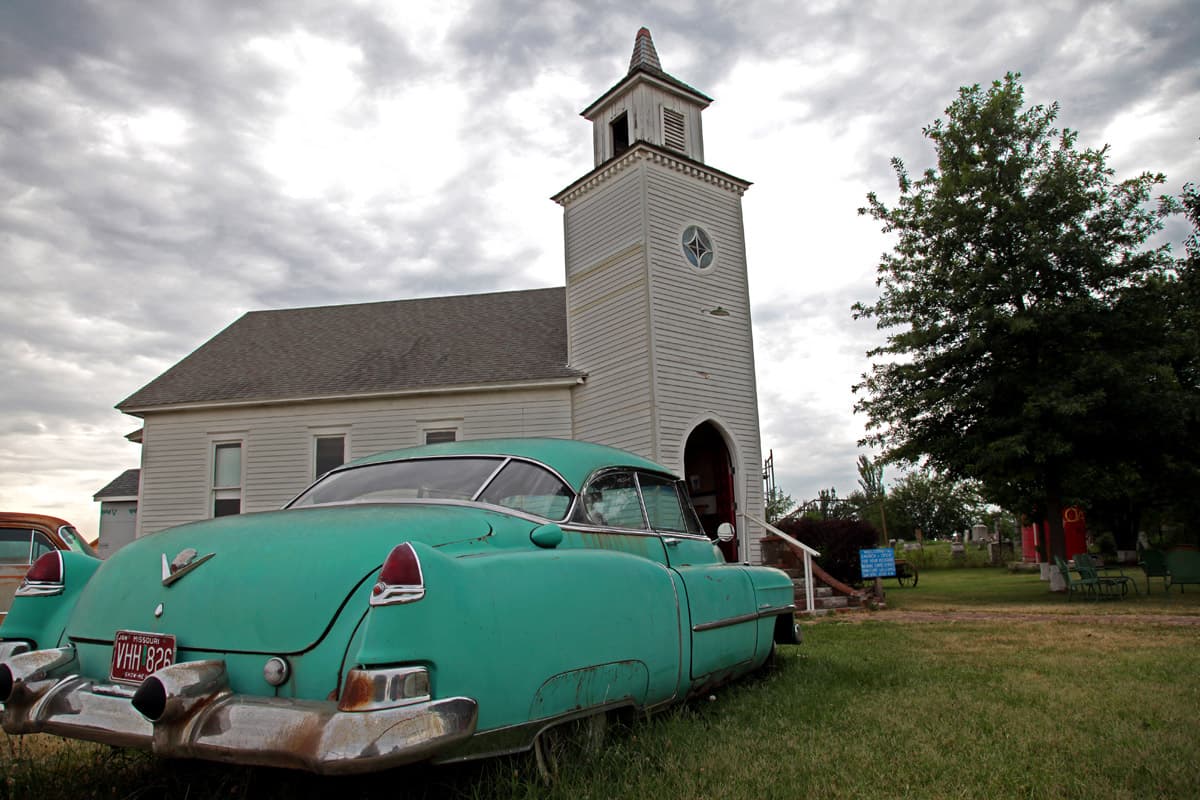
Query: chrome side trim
[[774, 611], [724, 623], [771, 611]]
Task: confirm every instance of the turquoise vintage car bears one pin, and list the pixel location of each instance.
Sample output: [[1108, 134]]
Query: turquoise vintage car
[[438, 603]]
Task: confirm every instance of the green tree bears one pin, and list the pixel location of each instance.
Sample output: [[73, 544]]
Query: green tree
[[939, 506], [872, 506], [778, 505], [1010, 256]]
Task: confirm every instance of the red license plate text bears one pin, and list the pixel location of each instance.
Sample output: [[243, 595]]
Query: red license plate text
[[136, 655]]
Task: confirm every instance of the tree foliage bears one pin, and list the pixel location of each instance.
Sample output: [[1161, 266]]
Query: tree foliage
[[1007, 300], [778, 505], [937, 505]]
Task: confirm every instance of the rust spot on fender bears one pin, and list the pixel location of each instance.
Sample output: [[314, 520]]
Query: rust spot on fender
[[357, 693]]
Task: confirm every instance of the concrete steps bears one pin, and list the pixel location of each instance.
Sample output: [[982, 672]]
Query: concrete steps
[[826, 600]]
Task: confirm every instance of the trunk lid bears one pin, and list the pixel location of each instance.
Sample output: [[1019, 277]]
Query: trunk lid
[[275, 580]]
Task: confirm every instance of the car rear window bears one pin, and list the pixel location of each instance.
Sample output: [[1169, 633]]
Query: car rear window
[[433, 478]]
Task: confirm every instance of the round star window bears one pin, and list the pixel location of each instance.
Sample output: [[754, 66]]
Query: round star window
[[697, 247]]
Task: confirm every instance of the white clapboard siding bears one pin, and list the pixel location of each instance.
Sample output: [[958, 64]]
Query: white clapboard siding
[[277, 442], [703, 362], [607, 316]]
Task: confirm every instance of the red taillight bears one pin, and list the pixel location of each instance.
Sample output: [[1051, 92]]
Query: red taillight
[[44, 577], [400, 580]]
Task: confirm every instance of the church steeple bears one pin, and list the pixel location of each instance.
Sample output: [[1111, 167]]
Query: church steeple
[[644, 52], [647, 105], [658, 303]]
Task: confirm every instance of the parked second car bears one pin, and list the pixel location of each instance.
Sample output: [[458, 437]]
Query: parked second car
[[25, 537]]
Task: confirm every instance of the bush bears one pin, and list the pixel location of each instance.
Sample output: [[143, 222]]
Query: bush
[[838, 541]]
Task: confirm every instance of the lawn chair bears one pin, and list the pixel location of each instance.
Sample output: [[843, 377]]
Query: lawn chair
[[1108, 573], [1107, 588], [1154, 564], [1076, 585], [1184, 567]]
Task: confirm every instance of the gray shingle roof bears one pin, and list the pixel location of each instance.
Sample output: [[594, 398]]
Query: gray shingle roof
[[369, 348], [124, 485]]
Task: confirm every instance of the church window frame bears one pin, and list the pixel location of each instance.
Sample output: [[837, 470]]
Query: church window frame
[[697, 247], [619, 131]]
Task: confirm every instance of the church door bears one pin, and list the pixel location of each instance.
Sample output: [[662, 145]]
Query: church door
[[708, 469]]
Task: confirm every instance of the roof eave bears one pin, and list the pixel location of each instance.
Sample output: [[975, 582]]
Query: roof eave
[[662, 154], [545, 383], [669, 84]]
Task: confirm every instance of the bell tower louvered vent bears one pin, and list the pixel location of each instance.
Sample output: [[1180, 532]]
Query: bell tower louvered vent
[[673, 131]]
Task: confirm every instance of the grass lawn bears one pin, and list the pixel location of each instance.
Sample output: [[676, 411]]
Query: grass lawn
[[978, 683]]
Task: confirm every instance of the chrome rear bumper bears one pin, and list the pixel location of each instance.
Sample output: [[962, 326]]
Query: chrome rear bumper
[[234, 728]]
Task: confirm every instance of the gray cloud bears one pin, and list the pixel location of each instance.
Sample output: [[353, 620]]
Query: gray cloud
[[120, 256]]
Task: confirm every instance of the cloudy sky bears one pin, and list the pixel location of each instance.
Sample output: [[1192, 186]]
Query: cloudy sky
[[167, 166]]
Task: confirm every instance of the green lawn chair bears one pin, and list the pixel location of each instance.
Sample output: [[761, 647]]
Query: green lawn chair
[[1183, 566], [1110, 575], [1108, 588], [1076, 585], [1154, 564]]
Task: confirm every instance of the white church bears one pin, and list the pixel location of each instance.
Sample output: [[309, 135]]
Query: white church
[[647, 347]]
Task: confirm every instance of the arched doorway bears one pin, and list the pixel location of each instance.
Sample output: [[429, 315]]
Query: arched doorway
[[708, 468]]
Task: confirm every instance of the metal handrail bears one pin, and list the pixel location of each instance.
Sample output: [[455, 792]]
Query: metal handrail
[[807, 552]]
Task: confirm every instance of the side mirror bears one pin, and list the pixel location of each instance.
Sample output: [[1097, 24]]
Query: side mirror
[[548, 536], [725, 532]]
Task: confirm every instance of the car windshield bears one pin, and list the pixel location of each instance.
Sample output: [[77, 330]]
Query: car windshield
[[520, 485]]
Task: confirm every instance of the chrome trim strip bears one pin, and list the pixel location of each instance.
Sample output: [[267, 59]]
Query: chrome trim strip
[[488, 480], [772, 611], [724, 623]]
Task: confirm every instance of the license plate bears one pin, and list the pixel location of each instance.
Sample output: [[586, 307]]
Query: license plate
[[135, 655]]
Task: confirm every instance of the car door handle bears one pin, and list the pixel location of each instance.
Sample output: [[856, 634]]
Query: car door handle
[[670, 541]]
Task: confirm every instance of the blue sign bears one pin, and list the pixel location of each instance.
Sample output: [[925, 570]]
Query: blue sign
[[877, 563]]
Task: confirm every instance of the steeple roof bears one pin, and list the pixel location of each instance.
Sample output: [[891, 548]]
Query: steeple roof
[[645, 63], [644, 52]]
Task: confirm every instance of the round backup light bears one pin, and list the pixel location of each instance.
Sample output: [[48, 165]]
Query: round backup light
[[276, 671]]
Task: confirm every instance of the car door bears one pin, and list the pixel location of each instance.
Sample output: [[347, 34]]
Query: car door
[[720, 596]]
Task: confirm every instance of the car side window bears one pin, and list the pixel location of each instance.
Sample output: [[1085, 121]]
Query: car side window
[[611, 499], [14, 545], [668, 508]]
